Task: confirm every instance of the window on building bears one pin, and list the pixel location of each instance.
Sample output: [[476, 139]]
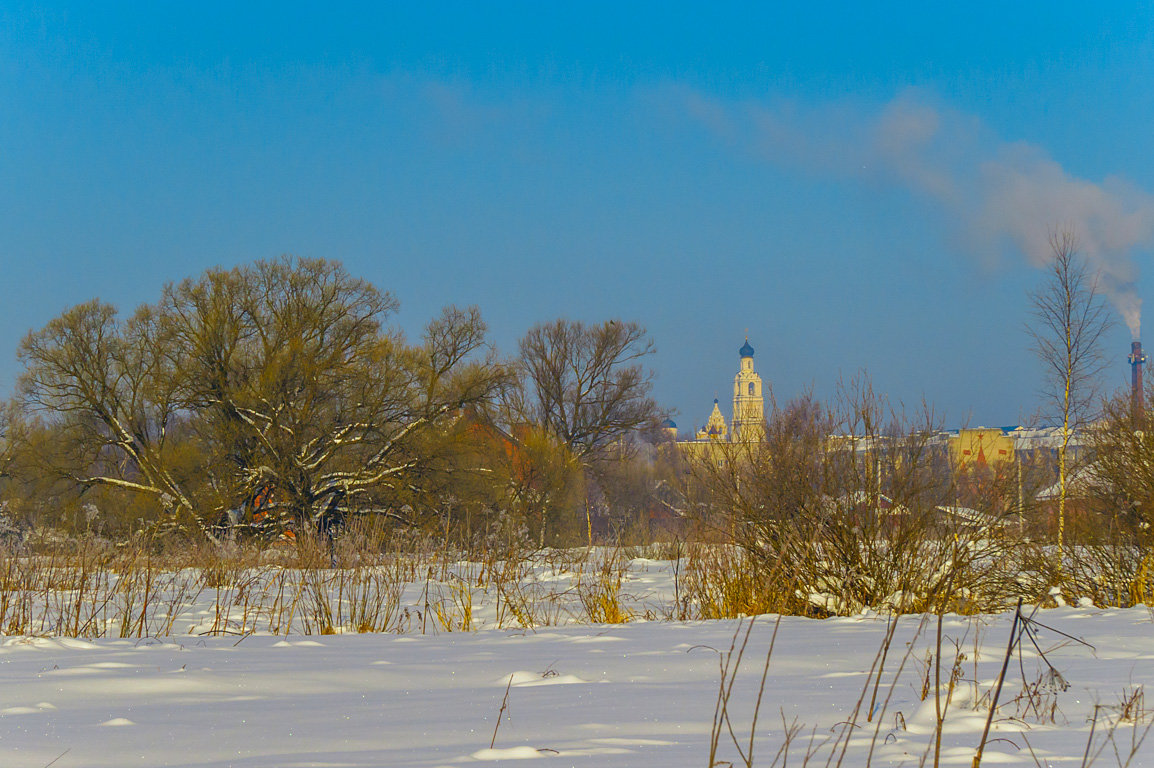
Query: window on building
[[751, 387]]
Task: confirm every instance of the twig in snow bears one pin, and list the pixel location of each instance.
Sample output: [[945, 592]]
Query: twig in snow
[[62, 754], [1001, 679], [504, 704]]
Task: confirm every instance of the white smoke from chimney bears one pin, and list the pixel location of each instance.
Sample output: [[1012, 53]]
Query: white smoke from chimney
[[1027, 194], [993, 191]]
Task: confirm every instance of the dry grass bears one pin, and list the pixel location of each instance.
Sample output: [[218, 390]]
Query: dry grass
[[87, 587], [598, 587]]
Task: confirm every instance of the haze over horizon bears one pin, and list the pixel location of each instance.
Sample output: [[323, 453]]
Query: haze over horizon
[[858, 190]]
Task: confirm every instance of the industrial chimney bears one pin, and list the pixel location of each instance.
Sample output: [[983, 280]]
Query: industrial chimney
[[1136, 360]]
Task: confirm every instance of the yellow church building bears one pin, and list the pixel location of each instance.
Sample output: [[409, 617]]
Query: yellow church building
[[967, 448], [748, 409]]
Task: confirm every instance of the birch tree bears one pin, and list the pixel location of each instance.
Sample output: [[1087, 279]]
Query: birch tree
[[1070, 319]]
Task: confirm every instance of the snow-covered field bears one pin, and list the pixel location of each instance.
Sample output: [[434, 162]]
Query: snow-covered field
[[637, 694]]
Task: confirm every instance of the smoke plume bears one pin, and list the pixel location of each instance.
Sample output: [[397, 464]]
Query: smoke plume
[[997, 193]]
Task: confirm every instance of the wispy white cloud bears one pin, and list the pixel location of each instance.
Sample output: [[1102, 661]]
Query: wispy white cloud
[[995, 192]]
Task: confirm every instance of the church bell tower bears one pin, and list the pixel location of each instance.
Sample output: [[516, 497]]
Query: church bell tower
[[748, 401]]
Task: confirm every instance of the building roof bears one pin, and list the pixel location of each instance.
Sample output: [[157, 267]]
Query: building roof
[[1081, 481], [746, 350]]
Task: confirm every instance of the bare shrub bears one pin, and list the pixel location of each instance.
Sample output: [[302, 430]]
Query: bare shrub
[[720, 582], [1111, 559], [840, 512]]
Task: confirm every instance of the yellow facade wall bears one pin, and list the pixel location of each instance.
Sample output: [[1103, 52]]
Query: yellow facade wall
[[980, 446]]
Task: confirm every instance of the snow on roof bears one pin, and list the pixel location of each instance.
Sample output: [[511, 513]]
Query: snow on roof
[[970, 515], [1080, 481]]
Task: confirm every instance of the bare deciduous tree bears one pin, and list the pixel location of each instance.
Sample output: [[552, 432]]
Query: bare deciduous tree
[[1123, 442], [276, 374], [1070, 319], [111, 386], [295, 374], [586, 384], [9, 413], [585, 387]]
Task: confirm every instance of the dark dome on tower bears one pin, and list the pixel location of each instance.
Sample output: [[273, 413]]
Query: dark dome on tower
[[746, 350]]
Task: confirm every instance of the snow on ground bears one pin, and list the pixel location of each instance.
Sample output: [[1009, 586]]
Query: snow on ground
[[635, 694]]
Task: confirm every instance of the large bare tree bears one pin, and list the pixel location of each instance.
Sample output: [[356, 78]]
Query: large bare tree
[[111, 387], [1069, 321], [301, 385], [586, 384], [279, 374]]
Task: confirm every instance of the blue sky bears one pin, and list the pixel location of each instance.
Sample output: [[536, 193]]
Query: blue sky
[[859, 187]]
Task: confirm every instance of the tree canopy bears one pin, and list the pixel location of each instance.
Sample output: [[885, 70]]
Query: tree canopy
[[282, 372]]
